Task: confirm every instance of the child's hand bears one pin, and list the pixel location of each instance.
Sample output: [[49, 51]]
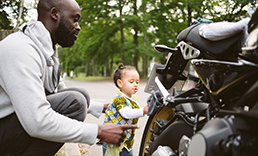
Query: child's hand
[[145, 109]]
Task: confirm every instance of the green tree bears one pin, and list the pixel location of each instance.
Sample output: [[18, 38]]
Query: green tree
[[116, 31], [16, 9], [234, 10]]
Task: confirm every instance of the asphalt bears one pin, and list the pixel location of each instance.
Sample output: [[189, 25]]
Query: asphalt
[[103, 91]]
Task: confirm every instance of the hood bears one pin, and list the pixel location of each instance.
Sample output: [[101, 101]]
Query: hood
[[41, 37]]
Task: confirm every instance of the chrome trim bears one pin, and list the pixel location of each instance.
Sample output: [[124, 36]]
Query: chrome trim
[[188, 51]]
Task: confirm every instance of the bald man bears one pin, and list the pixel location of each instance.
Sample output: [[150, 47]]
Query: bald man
[[37, 112]]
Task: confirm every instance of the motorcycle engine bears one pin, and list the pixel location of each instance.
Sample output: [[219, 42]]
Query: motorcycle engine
[[221, 136]]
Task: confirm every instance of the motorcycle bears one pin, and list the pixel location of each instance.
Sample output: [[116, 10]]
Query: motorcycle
[[218, 115]]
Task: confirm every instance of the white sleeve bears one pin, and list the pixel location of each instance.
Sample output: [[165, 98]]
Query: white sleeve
[[130, 113], [95, 108]]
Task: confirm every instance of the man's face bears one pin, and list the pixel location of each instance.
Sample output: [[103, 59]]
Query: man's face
[[66, 33], [68, 27]]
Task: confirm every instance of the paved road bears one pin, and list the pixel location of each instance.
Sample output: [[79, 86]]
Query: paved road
[[103, 91]]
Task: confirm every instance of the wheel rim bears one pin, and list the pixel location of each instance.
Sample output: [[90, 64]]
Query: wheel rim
[[164, 113]]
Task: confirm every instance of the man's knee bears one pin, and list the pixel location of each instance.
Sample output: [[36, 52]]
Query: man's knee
[[85, 93], [77, 108]]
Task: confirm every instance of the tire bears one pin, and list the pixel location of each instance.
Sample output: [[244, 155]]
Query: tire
[[164, 113]]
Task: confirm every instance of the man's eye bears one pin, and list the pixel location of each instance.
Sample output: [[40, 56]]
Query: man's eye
[[76, 18]]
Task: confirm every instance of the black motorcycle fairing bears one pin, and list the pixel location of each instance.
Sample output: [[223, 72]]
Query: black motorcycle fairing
[[219, 75], [229, 47]]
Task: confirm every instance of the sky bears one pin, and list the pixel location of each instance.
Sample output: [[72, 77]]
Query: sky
[[32, 13]]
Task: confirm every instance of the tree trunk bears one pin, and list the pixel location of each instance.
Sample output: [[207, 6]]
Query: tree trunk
[[93, 67], [145, 57], [86, 68], [20, 15], [111, 66], [145, 66], [135, 37], [107, 68], [121, 27]]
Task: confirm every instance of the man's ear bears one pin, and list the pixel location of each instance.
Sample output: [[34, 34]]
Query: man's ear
[[54, 14], [119, 83]]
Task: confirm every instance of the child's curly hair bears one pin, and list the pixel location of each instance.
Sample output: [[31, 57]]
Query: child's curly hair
[[120, 71]]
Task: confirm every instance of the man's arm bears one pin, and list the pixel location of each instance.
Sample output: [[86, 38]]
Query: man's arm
[[21, 81]]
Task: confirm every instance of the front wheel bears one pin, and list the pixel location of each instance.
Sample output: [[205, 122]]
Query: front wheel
[[164, 113]]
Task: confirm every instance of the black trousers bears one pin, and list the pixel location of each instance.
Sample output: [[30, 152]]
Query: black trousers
[[14, 141]]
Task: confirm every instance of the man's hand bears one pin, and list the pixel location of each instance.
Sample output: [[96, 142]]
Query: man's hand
[[113, 133], [105, 107]]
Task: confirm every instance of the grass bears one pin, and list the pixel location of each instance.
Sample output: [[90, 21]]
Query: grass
[[89, 78], [97, 78], [60, 153]]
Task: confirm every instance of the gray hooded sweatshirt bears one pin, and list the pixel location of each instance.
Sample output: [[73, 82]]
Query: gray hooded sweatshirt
[[26, 63]]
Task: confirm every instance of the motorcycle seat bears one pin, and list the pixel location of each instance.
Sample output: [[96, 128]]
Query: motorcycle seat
[[191, 36]]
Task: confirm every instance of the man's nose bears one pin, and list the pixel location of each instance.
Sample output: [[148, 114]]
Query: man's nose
[[77, 26]]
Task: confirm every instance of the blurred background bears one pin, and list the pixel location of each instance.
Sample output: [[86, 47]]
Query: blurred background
[[114, 31]]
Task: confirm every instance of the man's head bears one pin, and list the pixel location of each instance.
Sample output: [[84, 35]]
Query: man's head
[[61, 18]]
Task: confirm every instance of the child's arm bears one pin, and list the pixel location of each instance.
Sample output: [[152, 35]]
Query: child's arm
[[129, 113]]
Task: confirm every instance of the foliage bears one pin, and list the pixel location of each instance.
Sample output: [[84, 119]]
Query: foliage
[[155, 22], [113, 30], [13, 7]]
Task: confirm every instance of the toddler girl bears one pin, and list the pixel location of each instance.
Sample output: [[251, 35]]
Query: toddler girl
[[124, 109]]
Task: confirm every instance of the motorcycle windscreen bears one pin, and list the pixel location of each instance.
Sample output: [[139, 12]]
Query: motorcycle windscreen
[[219, 75]]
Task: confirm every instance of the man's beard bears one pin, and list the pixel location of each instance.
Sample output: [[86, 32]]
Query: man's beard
[[65, 35]]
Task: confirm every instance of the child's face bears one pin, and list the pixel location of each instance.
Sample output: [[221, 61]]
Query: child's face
[[129, 84]]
